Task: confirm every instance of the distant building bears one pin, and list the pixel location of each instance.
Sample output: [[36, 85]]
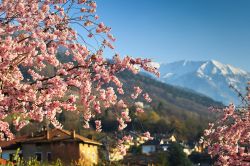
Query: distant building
[[49, 145], [157, 144], [187, 150], [172, 139], [166, 139], [199, 148], [151, 146]]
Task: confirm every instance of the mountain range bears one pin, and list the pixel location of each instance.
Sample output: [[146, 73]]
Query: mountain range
[[211, 78]]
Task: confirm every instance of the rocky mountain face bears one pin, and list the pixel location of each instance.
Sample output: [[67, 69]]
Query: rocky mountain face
[[210, 78]]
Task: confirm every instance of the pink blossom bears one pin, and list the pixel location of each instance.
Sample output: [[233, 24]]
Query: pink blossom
[[137, 92], [146, 97], [227, 137], [82, 1], [139, 110], [98, 125], [97, 107], [122, 125], [46, 65], [92, 4], [147, 136], [121, 104]]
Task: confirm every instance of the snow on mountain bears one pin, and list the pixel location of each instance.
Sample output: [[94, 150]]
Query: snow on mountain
[[211, 78]]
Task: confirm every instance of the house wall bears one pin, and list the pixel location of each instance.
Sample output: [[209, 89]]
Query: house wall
[[148, 149], [187, 151], [164, 148], [66, 151], [88, 153], [29, 151]]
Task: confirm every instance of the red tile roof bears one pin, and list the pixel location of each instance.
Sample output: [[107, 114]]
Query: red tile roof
[[48, 136], [4, 144]]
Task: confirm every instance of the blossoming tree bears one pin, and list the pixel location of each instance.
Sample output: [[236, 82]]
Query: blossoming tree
[[228, 139], [32, 32]]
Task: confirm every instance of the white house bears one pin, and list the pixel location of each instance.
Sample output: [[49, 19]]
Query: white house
[[150, 146], [157, 144]]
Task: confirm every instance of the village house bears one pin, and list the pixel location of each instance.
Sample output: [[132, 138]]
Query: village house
[[157, 144], [189, 148], [151, 146], [50, 145]]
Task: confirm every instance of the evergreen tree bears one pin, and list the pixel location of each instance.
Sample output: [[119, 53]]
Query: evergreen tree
[[176, 156]]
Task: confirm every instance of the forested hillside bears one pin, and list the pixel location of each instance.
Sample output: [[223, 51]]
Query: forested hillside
[[173, 110]]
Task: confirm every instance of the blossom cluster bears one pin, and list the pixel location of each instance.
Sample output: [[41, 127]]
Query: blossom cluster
[[121, 148], [228, 139], [37, 79]]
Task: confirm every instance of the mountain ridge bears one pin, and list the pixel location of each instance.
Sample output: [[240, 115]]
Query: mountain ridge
[[211, 78]]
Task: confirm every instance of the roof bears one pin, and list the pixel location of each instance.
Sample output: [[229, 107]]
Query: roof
[[152, 142], [48, 136], [81, 138], [12, 143]]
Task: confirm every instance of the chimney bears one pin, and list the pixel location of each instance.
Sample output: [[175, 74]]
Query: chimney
[[47, 129], [47, 134], [73, 134]]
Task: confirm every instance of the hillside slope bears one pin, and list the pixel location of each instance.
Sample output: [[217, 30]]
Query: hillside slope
[[173, 109], [181, 111], [175, 96]]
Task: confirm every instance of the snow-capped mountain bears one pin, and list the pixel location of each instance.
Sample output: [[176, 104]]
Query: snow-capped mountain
[[210, 78]]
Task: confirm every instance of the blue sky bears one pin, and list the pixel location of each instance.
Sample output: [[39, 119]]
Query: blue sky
[[170, 30]]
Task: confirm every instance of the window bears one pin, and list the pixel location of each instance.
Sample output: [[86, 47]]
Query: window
[[38, 156], [49, 157], [165, 148], [11, 156]]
